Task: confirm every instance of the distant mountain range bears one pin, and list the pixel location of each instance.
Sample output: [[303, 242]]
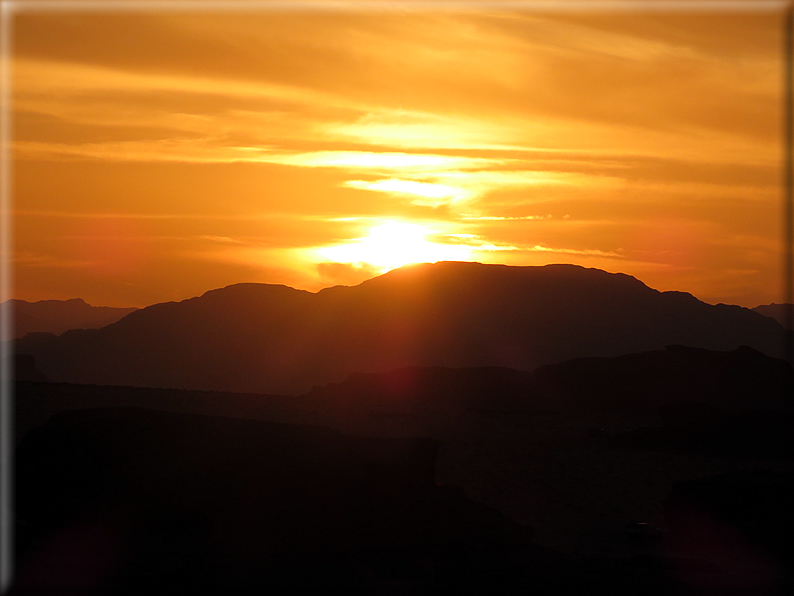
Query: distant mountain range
[[275, 339], [779, 312], [57, 316]]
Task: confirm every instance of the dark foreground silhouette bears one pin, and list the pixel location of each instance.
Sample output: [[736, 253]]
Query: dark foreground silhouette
[[130, 501], [663, 472]]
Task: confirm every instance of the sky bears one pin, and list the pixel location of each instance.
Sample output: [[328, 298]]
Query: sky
[[160, 154]]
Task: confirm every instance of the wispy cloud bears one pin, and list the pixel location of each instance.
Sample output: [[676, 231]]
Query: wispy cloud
[[421, 193], [386, 160], [38, 260], [505, 217], [574, 251], [221, 239], [121, 215]]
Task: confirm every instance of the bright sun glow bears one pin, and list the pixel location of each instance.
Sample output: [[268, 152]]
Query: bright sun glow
[[393, 245]]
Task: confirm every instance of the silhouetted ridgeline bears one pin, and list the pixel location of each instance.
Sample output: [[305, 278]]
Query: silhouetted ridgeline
[[57, 316], [634, 386], [275, 339], [782, 313]]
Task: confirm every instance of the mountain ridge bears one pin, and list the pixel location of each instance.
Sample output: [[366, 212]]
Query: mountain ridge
[[274, 339], [58, 316], [782, 313]]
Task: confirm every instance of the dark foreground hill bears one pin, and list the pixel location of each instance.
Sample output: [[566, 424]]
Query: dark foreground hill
[[57, 316], [126, 501], [595, 455], [275, 339]]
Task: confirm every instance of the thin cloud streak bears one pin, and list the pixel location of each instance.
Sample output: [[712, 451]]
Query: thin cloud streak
[[574, 251], [166, 216], [423, 193]]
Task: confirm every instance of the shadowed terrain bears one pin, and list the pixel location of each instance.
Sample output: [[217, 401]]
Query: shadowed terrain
[[129, 500], [577, 476]]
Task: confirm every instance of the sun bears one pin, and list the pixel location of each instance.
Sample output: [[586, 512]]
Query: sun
[[394, 244]]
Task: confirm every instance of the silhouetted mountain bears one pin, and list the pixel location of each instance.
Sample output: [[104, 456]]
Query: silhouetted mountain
[[780, 312], [275, 339], [57, 316]]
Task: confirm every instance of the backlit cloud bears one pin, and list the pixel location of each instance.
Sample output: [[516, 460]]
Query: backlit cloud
[[420, 193]]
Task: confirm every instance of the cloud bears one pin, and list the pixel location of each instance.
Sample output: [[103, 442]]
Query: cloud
[[453, 187], [221, 239], [117, 215], [421, 193], [574, 251], [502, 218], [386, 160], [213, 150], [31, 259], [424, 130]]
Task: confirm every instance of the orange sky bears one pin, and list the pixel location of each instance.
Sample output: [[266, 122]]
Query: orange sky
[[159, 155]]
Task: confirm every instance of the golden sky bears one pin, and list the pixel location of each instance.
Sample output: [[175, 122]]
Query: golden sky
[[157, 155]]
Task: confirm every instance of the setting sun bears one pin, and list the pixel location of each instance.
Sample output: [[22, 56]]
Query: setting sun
[[395, 244]]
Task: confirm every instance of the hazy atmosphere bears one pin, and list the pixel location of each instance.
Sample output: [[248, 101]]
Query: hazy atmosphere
[[160, 155]]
